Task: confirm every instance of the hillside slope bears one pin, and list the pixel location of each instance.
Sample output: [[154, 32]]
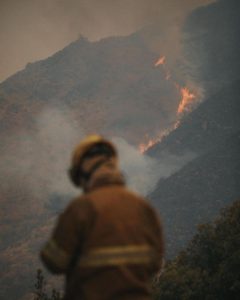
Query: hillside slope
[[211, 42], [108, 86], [214, 120], [196, 192]]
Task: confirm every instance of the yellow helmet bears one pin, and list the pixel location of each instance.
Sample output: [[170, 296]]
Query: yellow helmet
[[84, 149]]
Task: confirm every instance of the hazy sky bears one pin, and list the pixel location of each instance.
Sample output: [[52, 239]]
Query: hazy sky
[[34, 29]]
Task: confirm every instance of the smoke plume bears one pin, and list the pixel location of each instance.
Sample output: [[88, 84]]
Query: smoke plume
[[41, 161], [142, 171]]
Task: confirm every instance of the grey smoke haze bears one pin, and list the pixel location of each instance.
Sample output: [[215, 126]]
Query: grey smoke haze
[[34, 29], [143, 172], [41, 161]]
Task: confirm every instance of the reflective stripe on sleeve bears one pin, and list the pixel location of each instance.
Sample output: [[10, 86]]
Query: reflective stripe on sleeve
[[118, 255], [56, 255]]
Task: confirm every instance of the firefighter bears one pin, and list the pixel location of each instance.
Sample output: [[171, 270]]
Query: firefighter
[[108, 242]]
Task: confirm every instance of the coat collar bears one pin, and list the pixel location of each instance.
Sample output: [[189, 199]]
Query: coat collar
[[106, 174]]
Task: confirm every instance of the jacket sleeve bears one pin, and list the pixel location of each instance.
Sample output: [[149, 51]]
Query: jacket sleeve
[[68, 236], [156, 236]]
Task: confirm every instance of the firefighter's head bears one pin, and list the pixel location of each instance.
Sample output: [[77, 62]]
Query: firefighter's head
[[89, 155]]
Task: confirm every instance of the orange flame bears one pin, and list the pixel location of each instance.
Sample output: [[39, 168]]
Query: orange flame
[[160, 61], [185, 105], [168, 75], [144, 147], [186, 101]]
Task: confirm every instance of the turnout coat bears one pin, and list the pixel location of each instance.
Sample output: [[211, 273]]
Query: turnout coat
[[108, 242]]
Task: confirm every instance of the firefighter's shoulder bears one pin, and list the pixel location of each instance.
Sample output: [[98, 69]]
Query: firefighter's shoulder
[[79, 207]]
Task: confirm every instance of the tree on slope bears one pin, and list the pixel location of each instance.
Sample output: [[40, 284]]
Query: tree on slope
[[209, 268]]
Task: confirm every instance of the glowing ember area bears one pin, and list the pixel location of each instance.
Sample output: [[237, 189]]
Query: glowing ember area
[[186, 101], [144, 147], [185, 105], [177, 124], [168, 75], [161, 61]]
